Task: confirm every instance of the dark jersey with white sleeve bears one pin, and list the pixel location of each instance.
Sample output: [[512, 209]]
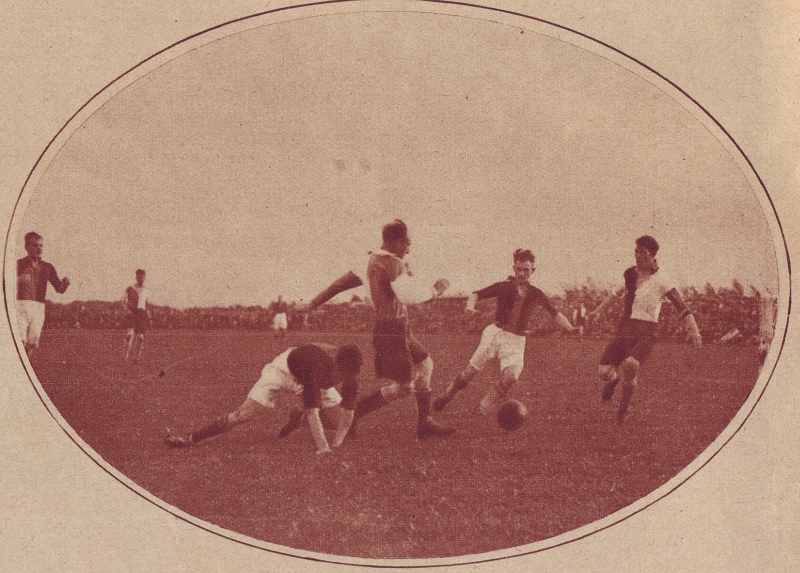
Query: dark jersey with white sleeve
[[514, 309]]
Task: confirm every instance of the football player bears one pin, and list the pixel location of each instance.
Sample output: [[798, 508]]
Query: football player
[[504, 339], [137, 317], [402, 364], [645, 289], [312, 372], [33, 274]]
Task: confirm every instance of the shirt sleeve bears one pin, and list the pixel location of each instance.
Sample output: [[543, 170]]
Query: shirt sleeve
[[55, 281], [350, 393], [490, 291], [541, 299]]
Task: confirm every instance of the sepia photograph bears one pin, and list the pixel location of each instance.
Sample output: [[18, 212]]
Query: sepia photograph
[[399, 284]]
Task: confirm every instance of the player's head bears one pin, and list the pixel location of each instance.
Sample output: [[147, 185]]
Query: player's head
[[524, 261], [645, 252], [140, 276], [349, 360], [395, 238], [34, 245]]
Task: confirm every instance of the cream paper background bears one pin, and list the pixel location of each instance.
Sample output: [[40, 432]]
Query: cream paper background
[[59, 511]]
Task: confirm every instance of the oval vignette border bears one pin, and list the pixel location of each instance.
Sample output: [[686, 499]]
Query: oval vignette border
[[441, 7]]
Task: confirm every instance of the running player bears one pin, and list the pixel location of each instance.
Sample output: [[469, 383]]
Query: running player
[[401, 362], [311, 372], [504, 339], [645, 289], [33, 274], [137, 317]]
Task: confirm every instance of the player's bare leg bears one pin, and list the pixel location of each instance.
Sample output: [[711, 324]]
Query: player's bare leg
[[139, 340], [129, 337], [244, 413], [610, 378], [427, 427], [627, 372], [461, 381], [498, 392]]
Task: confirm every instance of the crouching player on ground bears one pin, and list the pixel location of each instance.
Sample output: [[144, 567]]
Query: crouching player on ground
[[504, 339], [644, 291], [311, 372]]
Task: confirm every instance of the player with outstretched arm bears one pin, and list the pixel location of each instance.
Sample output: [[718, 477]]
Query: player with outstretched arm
[[504, 339], [645, 289], [312, 372], [401, 362]]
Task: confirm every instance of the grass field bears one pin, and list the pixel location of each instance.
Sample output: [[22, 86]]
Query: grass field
[[386, 495]]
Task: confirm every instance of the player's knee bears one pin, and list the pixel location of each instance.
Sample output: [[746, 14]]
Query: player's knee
[[421, 375], [606, 372], [394, 391], [243, 413], [629, 368], [511, 373]]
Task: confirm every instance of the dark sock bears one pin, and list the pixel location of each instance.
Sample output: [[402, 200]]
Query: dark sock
[[423, 404], [215, 428], [369, 404]]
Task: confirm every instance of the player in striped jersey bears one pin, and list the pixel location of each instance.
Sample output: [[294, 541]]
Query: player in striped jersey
[[645, 289], [504, 339]]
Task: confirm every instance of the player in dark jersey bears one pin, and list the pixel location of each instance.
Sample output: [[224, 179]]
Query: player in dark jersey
[[401, 362], [645, 289], [311, 372], [505, 338], [280, 322], [33, 274]]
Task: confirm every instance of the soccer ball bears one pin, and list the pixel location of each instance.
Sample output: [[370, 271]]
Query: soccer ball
[[511, 415]]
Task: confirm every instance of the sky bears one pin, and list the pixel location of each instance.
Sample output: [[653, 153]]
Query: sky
[[267, 162]]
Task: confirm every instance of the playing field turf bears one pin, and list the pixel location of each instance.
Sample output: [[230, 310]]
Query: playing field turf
[[386, 495]]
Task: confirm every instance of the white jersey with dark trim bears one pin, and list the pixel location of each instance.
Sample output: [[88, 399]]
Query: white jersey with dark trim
[[650, 295]]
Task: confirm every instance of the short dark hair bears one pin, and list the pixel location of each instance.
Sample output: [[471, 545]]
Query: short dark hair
[[649, 243], [522, 255], [31, 236], [394, 231], [140, 272], [349, 359]]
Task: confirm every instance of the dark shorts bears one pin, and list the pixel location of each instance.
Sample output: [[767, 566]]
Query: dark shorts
[[634, 338], [396, 350], [138, 321]]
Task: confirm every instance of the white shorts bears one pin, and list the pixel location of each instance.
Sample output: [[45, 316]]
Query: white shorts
[[30, 314], [507, 347], [279, 322], [275, 377]]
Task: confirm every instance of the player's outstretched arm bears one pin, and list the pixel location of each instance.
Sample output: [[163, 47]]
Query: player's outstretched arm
[[564, 323], [317, 431], [345, 421], [59, 284], [689, 323], [340, 285]]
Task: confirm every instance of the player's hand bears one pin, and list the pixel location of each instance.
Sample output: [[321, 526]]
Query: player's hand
[[65, 282]]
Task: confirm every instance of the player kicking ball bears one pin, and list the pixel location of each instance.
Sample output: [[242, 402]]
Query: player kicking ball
[[645, 289], [504, 339], [311, 372], [402, 364]]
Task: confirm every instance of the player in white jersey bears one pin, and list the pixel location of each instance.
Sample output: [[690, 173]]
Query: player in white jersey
[[137, 318], [645, 290]]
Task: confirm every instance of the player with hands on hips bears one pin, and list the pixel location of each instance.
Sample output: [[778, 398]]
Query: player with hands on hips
[[504, 339], [645, 289]]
